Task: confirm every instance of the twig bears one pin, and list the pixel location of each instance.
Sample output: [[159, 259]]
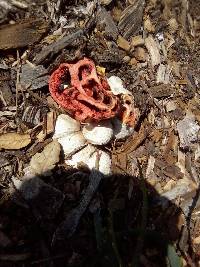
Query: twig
[[17, 82]]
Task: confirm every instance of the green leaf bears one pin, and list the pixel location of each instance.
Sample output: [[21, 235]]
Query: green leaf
[[174, 259]]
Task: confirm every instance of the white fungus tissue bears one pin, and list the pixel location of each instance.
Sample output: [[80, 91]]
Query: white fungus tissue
[[64, 125], [98, 133], [116, 86], [89, 156], [120, 130]]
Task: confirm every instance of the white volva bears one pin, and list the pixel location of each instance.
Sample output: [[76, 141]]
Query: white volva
[[72, 142], [68, 134], [98, 133], [116, 86], [89, 156], [64, 125]]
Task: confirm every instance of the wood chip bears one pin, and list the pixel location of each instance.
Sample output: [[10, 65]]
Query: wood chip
[[131, 19], [105, 2], [170, 105], [57, 46], [50, 124], [163, 74], [14, 140], [42, 163], [137, 41], [3, 160], [188, 131], [153, 50], [105, 20], [34, 76], [171, 171], [148, 26], [123, 43], [6, 93], [21, 34], [140, 54], [162, 90]]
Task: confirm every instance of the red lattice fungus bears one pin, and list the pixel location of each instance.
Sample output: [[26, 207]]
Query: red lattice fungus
[[78, 89]]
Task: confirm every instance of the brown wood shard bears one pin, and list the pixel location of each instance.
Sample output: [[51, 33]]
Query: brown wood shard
[[22, 33]]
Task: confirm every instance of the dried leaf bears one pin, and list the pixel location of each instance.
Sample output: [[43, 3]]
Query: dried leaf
[[43, 162], [14, 140], [131, 19]]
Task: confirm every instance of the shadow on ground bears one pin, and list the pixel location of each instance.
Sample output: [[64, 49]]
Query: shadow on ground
[[127, 223]]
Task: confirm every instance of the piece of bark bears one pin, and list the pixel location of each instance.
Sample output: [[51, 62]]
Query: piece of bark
[[163, 74], [131, 19], [35, 77], [57, 46], [153, 50], [123, 43], [109, 57], [188, 130], [105, 20], [22, 33], [172, 171], [6, 93], [162, 90]]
